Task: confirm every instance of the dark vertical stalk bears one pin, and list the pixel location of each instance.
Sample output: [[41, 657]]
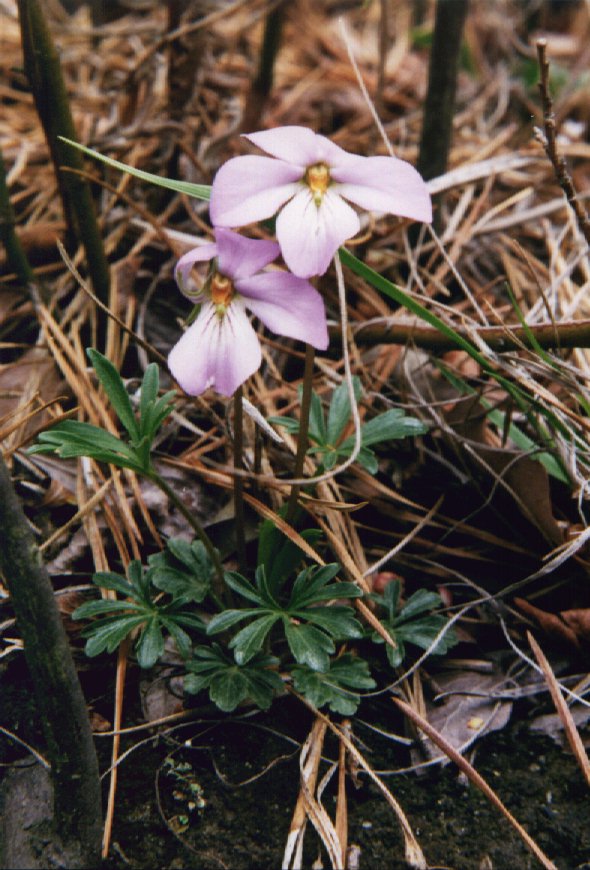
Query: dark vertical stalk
[[43, 71], [238, 481], [262, 84], [384, 38], [442, 84], [15, 254], [61, 704], [302, 439]]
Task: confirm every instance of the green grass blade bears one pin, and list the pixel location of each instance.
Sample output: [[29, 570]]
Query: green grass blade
[[199, 191]]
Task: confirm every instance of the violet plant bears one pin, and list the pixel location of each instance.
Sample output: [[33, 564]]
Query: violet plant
[[221, 349], [288, 621]]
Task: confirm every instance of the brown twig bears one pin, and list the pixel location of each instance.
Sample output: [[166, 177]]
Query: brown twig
[[548, 140], [575, 333], [569, 726]]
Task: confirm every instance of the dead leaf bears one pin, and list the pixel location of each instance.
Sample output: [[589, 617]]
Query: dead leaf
[[526, 478], [466, 712], [568, 626]]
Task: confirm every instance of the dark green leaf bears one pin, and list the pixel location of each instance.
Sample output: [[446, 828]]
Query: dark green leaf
[[368, 460], [317, 424], [115, 390], [337, 621], [181, 638], [149, 392], [249, 641], [110, 580], [422, 632], [243, 587], [108, 634], [183, 570], [335, 686], [230, 683], [396, 655], [390, 598], [150, 645], [227, 618], [309, 645], [390, 426], [288, 423], [100, 608], [420, 602], [340, 411], [311, 582], [228, 689], [280, 556]]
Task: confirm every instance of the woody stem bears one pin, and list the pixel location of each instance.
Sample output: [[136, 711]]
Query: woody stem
[[238, 480], [302, 439]]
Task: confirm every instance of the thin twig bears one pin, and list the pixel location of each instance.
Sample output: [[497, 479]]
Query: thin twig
[[571, 334], [302, 436], [548, 140], [238, 480]]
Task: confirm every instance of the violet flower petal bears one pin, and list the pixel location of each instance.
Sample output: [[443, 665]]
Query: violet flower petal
[[251, 188], [188, 260], [240, 257], [299, 146], [216, 352], [310, 235], [287, 305], [385, 184]]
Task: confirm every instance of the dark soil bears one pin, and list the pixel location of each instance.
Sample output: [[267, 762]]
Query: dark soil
[[220, 793], [244, 826]]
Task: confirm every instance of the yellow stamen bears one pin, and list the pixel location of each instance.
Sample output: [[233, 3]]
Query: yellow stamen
[[317, 178], [222, 292]]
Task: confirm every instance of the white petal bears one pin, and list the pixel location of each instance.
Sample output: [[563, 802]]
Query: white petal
[[189, 360], [288, 305], [216, 352], [310, 235], [299, 146], [385, 184], [237, 354], [251, 188]]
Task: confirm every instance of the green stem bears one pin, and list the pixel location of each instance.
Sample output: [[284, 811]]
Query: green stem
[[219, 584], [43, 70], [302, 439], [238, 480]]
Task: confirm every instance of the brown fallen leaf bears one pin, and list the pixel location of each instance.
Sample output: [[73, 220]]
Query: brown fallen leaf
[[571, 627], [465, 711]]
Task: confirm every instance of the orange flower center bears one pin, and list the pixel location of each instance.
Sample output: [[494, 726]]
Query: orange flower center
[[317, 178], [222, 292]]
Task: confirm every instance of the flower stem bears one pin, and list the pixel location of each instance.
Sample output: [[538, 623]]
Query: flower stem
[[302, 439], [238, 480], [218, 583]]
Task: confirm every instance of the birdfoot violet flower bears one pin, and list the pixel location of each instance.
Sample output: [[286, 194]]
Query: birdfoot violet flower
[[308, 179], [221, 349]]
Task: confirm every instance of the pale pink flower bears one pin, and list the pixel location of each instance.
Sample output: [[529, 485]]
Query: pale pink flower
[[221, 349], [306, 180]]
